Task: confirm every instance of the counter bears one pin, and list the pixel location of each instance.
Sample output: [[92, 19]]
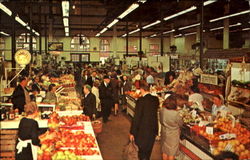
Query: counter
[[13, 124]]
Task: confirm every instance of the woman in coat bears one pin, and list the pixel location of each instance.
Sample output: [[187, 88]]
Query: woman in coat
[[170, 128]]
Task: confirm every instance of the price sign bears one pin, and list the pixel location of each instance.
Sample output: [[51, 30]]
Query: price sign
[[209, 130]]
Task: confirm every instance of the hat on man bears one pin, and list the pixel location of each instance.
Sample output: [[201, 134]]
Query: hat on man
[[106, 77]]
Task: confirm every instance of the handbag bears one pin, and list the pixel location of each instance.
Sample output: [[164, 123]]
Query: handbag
[[130, 151]]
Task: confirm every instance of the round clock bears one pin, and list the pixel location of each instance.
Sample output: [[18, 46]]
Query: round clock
[[22, 57]]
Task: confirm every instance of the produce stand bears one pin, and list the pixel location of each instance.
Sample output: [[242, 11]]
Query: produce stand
[[197, 142]]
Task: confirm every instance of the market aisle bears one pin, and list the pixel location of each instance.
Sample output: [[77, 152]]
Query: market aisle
[[115, 135]]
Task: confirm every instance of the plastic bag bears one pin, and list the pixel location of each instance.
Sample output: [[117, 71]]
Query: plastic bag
[[130, 151]]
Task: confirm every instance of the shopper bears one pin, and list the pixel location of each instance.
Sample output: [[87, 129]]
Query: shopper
[[218, 106], [36, 86], [170, 79], [89, 102], [92, 78], [195, 99], [125, 87], [95, 91], [28, 133], [115, 84], [144, 127], [150, 79], [51, 94], [170, 128], [106, 97], [20, 96]]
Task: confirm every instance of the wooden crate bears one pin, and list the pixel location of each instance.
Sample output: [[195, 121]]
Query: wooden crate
[[7, 144]]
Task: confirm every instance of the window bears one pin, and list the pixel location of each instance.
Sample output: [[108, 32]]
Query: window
[[80, 43], [23, 41], [104, 48]]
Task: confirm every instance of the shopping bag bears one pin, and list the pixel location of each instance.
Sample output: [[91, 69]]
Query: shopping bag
[[130, 151]]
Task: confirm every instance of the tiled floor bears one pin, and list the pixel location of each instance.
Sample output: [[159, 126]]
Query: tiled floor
[[114, 137]]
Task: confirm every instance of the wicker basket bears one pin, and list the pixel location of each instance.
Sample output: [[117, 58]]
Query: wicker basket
[[97, 126]]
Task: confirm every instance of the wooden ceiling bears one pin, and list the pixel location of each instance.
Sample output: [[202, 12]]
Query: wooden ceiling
[[88, 17]]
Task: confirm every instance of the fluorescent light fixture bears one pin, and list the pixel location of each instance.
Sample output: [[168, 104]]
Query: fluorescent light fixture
[[180, 13], [36, 33], [33, 30], [98, 34], [66, 22], [168, 31], [5, 9], [209, 2], [231, 15], [154, 35], [3, 33], [187, 34], [130, 9], [179, 35], [189, 26], [152, 24], [28, 27], [103, 30], [67, 34], [134, 31], [214, 29], [142, 1], [19, 20], [124, 35], [66, 29], [113, 23], [245, 29], [233, 25], [65, 8]]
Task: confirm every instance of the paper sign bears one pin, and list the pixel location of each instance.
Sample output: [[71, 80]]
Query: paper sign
[[209, 130]]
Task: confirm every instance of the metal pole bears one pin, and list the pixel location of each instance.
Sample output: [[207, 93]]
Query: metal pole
[[162, 47], [40, 28], [140, 38], [127, 38], [201, 34], [45, 39]]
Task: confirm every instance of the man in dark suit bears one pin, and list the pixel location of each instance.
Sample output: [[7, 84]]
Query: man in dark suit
[[20, 96], [106, 98], [144, 127], [92, 78], [89, 102]]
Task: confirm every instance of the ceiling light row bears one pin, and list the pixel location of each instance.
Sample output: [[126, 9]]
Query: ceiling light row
[[65, 12], [121, 16], [3, 33], [17, 18], [178, 14], [218, 28]]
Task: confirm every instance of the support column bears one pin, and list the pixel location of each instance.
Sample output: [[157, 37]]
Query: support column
[[13, 43], [140, 38], [172, 40], [162, 38], [114, 41], [226, 29], [45, 36], [31, 34], [40, 29], [198, 29], [201, 34], [127, 38]]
